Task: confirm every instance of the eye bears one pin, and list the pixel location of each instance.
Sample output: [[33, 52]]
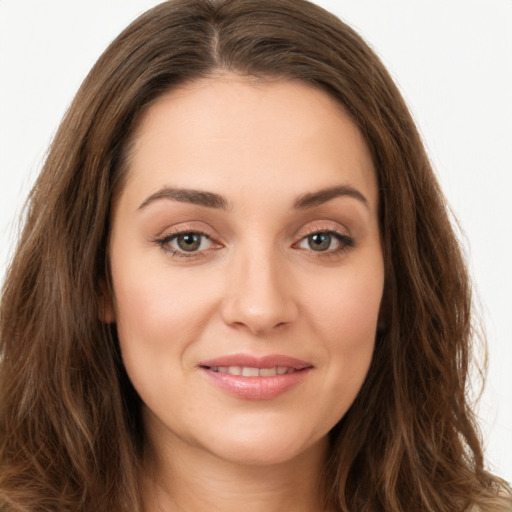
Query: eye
[[189, 243], [326, 241]]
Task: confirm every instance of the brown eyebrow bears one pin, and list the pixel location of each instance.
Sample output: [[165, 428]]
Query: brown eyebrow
[[312, 199], [212, 200], [199, 197]]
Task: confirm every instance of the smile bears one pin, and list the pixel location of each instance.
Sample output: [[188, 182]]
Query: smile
[[247, 371], [255, 378]]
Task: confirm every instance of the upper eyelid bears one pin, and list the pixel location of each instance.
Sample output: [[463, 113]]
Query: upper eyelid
[[170, 234], [306, 229], [184, 228], [323, 227]]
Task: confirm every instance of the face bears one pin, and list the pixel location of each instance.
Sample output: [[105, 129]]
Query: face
[[247, 268]]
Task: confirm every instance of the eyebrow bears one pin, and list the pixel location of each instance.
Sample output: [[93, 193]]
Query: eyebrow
[[212, 200], [312, 199], [183, 195]]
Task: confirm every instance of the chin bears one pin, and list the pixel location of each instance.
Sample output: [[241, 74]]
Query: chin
[[263, 447]]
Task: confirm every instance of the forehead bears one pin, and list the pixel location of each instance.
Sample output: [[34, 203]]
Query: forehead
[[232, 134]]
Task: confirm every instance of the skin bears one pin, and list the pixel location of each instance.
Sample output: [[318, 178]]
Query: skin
[[257, 285]]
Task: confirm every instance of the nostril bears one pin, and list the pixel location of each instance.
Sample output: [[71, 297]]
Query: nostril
[[259, 300]]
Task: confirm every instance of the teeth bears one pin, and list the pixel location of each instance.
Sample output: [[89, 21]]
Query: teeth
[[267, 372], [232, 370], [247, 371], [250, 372]]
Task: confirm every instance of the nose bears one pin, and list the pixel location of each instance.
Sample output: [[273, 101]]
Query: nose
[[260, 295]]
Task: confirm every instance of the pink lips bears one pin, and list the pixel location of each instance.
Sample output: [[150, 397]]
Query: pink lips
[[255, 378]]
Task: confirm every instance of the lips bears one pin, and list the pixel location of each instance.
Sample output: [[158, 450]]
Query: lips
[[248, 371], [255, 378]]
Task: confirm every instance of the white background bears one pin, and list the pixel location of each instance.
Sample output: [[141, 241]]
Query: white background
[[451, 58]]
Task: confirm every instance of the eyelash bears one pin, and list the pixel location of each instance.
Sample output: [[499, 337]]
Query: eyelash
[[164, 242], [346, 243]]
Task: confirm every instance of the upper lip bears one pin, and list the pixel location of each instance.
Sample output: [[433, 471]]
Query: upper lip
[[248, 360]]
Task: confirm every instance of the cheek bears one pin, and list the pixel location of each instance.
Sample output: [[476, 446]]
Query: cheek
[[160, 310], [156, 323], [346, 309], [345, 317]]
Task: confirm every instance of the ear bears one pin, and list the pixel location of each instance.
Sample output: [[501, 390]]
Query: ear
[[106, 304]]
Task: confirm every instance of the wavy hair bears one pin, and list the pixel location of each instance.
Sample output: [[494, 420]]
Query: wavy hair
[[70, 429]]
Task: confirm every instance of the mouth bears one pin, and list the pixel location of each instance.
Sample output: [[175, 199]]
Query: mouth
[[248, 371], [255, 378]]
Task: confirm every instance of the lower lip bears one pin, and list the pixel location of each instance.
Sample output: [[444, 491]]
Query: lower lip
[[256, 388]]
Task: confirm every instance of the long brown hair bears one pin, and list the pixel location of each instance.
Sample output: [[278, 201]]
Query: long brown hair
[[70, 428]]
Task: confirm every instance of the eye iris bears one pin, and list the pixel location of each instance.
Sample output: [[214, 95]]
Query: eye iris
[[189, 242], [319, 241]]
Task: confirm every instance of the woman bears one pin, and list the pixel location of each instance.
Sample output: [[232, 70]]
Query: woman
[[238, 285]]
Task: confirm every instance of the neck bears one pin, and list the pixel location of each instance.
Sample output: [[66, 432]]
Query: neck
[[190, 480]]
